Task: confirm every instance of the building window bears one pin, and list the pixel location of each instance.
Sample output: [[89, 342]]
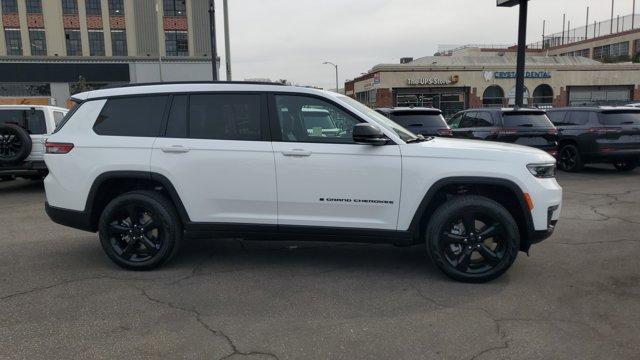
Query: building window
[[612, 53], [116, 7], [119, 43], [175, 7], [94, 7], [177, 43], [9, 6], [96, 43], [38, 42], [368, 98], [70, 7], [34, 6], [14, 41], [493, 96], [543, 96], [74, 45]]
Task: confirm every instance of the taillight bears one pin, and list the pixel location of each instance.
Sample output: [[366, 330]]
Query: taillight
[[58, 148], [603, 130], [445, 132], [505, 131]]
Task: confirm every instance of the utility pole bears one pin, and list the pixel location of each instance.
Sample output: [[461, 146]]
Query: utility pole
[[586, 27], [214, 50], [522, 45], [633, 16], [564, 23], [337, 81], [544, 28], [612, 7], [227, 44]]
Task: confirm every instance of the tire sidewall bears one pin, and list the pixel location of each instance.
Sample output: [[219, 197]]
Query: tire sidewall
[[170, 229], [25, 140], [480, 205], [578, 165]]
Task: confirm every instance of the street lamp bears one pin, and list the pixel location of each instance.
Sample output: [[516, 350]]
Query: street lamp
[[337, 81], [522, 45], [214, 50]]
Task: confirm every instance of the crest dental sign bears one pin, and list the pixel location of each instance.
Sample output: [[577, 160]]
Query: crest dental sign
[[454, 79], [527, 75]]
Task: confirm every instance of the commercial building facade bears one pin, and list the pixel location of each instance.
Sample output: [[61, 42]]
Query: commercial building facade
[[97, 42]]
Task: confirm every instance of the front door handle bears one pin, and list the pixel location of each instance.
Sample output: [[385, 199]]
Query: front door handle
[[296, 152], [175, 149]]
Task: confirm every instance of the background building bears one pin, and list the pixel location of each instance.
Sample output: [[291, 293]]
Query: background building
[[53, 48]]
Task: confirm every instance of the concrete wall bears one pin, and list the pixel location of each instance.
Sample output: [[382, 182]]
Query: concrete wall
[[60, 93], [171, 71]]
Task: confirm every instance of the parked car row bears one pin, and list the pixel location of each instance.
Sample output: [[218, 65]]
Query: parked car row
[[575, 136]]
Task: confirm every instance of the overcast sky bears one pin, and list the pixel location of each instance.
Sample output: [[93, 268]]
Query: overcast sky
[[289, 39]]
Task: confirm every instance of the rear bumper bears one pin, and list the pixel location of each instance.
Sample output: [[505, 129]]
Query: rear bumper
[[76, 219], [25, 168]]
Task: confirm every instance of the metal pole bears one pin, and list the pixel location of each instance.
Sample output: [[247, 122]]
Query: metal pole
[[564, 22], [337, 80], [214, 50], [586, 27], [618, 24], [568, 31], [595, 27], [633, 16], [227, 43], [544, 28], [612, 7], [159, 51], [522, 49]]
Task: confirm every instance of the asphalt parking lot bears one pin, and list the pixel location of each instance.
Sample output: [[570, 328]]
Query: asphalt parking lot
[[577, 296]]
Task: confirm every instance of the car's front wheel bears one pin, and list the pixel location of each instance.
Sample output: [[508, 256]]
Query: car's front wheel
[[626, 164], [569, 159], [140, 230], [472, 239]]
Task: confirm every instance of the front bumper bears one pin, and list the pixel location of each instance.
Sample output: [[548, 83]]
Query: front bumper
[[539, 236]]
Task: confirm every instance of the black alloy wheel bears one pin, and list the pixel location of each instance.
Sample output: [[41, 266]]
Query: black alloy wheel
[[140, 230], [570, 159], [15, 144], [473, 239], [9, 145], [625, 164]]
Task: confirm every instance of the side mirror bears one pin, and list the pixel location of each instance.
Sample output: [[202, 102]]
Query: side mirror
[[369, 134]]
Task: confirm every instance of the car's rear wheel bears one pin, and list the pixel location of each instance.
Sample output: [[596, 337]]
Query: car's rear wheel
[[626, 164], [472, 239], [140, 230], [570, 159]]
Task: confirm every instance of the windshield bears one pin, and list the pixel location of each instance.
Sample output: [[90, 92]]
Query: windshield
[[385, 122], [318, 119], [620, 118], [418, 118], [536, 120]]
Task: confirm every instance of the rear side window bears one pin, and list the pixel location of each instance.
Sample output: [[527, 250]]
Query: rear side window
[[57, 117], [225, 117], [177, 126], [557, 117], [483, 119], [578, 117], [30, 120], [418, 118], [620, 118], [139, 116], [522, 119]]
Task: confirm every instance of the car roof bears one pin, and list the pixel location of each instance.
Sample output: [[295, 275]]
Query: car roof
[[27, 107], [409, 109], [507, 110], [594, 108], [189, 87]]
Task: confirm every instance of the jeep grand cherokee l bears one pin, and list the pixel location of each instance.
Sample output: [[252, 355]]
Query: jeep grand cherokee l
[[598, 135], [148, 165], [522, 126]]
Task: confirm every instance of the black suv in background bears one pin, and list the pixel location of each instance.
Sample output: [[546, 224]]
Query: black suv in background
[[529, 127], [598, 135], [419, 120]]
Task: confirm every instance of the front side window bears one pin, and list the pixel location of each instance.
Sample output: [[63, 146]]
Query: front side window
[[70, 7], [9, 6], [483, 119], [34, 6], [174, 7], [454, 122], [74, 44], [94, 7], [468, 121], [138, 116], [30, 120], [558, 118], [119, 43], [38, 42], [224, 116], [116, 7], [13, 41], [309, 119], [96, 43], [177, 43]]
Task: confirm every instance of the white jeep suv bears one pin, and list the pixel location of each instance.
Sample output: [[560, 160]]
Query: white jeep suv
[[148, 165], [23, 129]]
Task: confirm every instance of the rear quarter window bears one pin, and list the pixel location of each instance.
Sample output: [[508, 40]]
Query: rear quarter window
[[139, 116], [620, 118]]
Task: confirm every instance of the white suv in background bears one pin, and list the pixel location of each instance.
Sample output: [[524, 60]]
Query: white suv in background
[[148, 165], [23, 129]]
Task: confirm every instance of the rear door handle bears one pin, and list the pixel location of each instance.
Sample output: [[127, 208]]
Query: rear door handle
[[175, 149], [296, 152]]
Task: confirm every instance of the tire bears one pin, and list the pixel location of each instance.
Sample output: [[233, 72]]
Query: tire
[[466, 256], [626, 164], [15, 144], [137, 247], [569, 159]]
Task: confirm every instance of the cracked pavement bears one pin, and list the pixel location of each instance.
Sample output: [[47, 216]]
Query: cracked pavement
[[577, 296]]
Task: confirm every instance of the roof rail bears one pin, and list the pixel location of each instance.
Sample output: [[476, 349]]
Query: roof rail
[[114, 86]]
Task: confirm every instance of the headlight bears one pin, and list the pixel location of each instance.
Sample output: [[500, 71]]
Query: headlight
[[543, 171]]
